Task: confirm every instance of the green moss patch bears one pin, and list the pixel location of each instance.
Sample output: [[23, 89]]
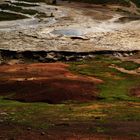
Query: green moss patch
[[18, 9], [4, 16], [116, 84]]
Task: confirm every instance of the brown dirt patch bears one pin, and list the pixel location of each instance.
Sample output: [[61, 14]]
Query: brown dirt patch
[[74, 131], [135, 92], [48, 82]]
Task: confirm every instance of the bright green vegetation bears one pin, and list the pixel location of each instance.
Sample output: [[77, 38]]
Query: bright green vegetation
[[116, 84], [128, 65], [43, 116], [4, 16]]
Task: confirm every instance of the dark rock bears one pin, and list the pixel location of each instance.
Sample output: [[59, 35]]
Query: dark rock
[[97, 118], [1, 121], [128, 19], [29, 128], [42, 133], [125, 54], [50, 55], [62, 124], [52, 15], [79, 37], [12, 139]]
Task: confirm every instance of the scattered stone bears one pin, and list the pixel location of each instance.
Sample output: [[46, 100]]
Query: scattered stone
[[125, 54], [4, 113], [44, 56], [138, 70], [1, 121], [91, 56], [70, 108], [97, 118], [41, 59], [12, 113], [79, 37], [52, 15], [131, 54], [29, 128], [62, 124], [117, 54], [42, 133], [69, 58], [0, 62], [14, 61], [50, 55]]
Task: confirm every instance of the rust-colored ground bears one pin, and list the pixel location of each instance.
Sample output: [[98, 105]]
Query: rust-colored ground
[[48, 82], [135, 92]]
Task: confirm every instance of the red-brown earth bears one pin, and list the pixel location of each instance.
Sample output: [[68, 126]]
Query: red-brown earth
[[74, 131], [48, 82], [135, 92], [54, 83]]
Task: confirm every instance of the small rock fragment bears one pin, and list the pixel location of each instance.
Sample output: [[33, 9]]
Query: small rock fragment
[[97, 118], [3, 113], [42, 133], [29, 128]]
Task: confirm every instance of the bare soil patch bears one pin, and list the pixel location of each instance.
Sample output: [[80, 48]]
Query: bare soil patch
[[74, 131], [135, 92], [52, 83]]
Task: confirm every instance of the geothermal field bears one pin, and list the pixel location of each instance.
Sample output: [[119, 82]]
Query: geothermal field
[[69, 70]]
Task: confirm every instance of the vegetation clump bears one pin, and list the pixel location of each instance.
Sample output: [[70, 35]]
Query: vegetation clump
[[4, 16]]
